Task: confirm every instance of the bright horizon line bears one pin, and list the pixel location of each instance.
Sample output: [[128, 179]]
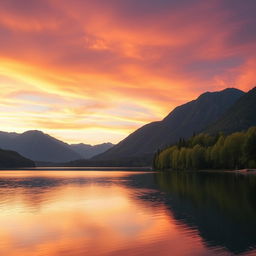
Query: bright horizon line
[[84, 142]]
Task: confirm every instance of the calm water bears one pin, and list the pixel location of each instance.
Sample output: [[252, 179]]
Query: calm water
[[74, 213]]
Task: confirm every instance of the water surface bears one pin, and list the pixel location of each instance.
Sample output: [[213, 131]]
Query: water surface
[[74, 213]]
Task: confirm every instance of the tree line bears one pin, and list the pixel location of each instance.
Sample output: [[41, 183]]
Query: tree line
[[204, 151]]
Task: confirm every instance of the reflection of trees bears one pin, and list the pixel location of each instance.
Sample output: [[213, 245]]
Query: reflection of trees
[[221, 206]]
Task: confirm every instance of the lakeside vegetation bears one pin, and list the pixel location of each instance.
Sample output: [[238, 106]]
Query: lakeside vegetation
[[203, 151]]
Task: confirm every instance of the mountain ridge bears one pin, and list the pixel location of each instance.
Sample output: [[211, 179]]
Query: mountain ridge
[[41, 147], [183, 121], [240, 116], [87, 150]]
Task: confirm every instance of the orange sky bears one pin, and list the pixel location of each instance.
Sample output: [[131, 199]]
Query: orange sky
[[94, 71]]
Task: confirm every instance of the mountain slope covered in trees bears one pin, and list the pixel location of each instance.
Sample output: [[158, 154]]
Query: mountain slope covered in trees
[[234, 151], [183, 121], [12, 159]]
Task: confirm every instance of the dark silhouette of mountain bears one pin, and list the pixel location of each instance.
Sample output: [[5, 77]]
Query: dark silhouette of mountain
[[240, 116], [87, 151], [182, 122], [12, 159], [124, 162], [38, 146], [41, 147]]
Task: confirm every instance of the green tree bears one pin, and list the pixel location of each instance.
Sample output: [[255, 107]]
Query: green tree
[[175, 159], [215, 155], [182, 158], [233, 149], [198, 157], [249, 148], [237, 150]]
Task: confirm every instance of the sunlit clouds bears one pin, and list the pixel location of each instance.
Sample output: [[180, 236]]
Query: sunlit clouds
[[94, 71]]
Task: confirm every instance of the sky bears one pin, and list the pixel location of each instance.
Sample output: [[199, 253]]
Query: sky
[[95, 71]]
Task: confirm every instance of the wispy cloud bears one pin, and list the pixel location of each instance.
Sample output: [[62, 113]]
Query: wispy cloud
[[114, 65]]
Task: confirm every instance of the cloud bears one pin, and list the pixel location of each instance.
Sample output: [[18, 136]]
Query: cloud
[[86, 58]]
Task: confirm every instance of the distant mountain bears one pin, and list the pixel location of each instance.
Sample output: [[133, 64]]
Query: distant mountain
[[87, 151], [12, 159], [41, 147], [38, 146], [240, 116], [183, 121]]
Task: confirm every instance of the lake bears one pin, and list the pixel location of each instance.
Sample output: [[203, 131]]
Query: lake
[[96, 212]]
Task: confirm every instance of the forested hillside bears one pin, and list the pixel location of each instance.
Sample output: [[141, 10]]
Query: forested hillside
[[234, 151], [183, 121]]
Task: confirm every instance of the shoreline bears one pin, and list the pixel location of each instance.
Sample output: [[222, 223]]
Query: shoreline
[[240, 171], [246, 171]]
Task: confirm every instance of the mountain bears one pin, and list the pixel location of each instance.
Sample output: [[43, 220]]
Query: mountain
[[240, 116], [41, 147], [87, 151], [38, 146], [12, 159], [183, 121]]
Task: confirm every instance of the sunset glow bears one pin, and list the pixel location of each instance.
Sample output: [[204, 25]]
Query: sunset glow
[[94, 71], [85, 219]]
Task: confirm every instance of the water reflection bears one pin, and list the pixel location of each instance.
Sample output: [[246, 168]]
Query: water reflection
[[125, 213], [221, 206]]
